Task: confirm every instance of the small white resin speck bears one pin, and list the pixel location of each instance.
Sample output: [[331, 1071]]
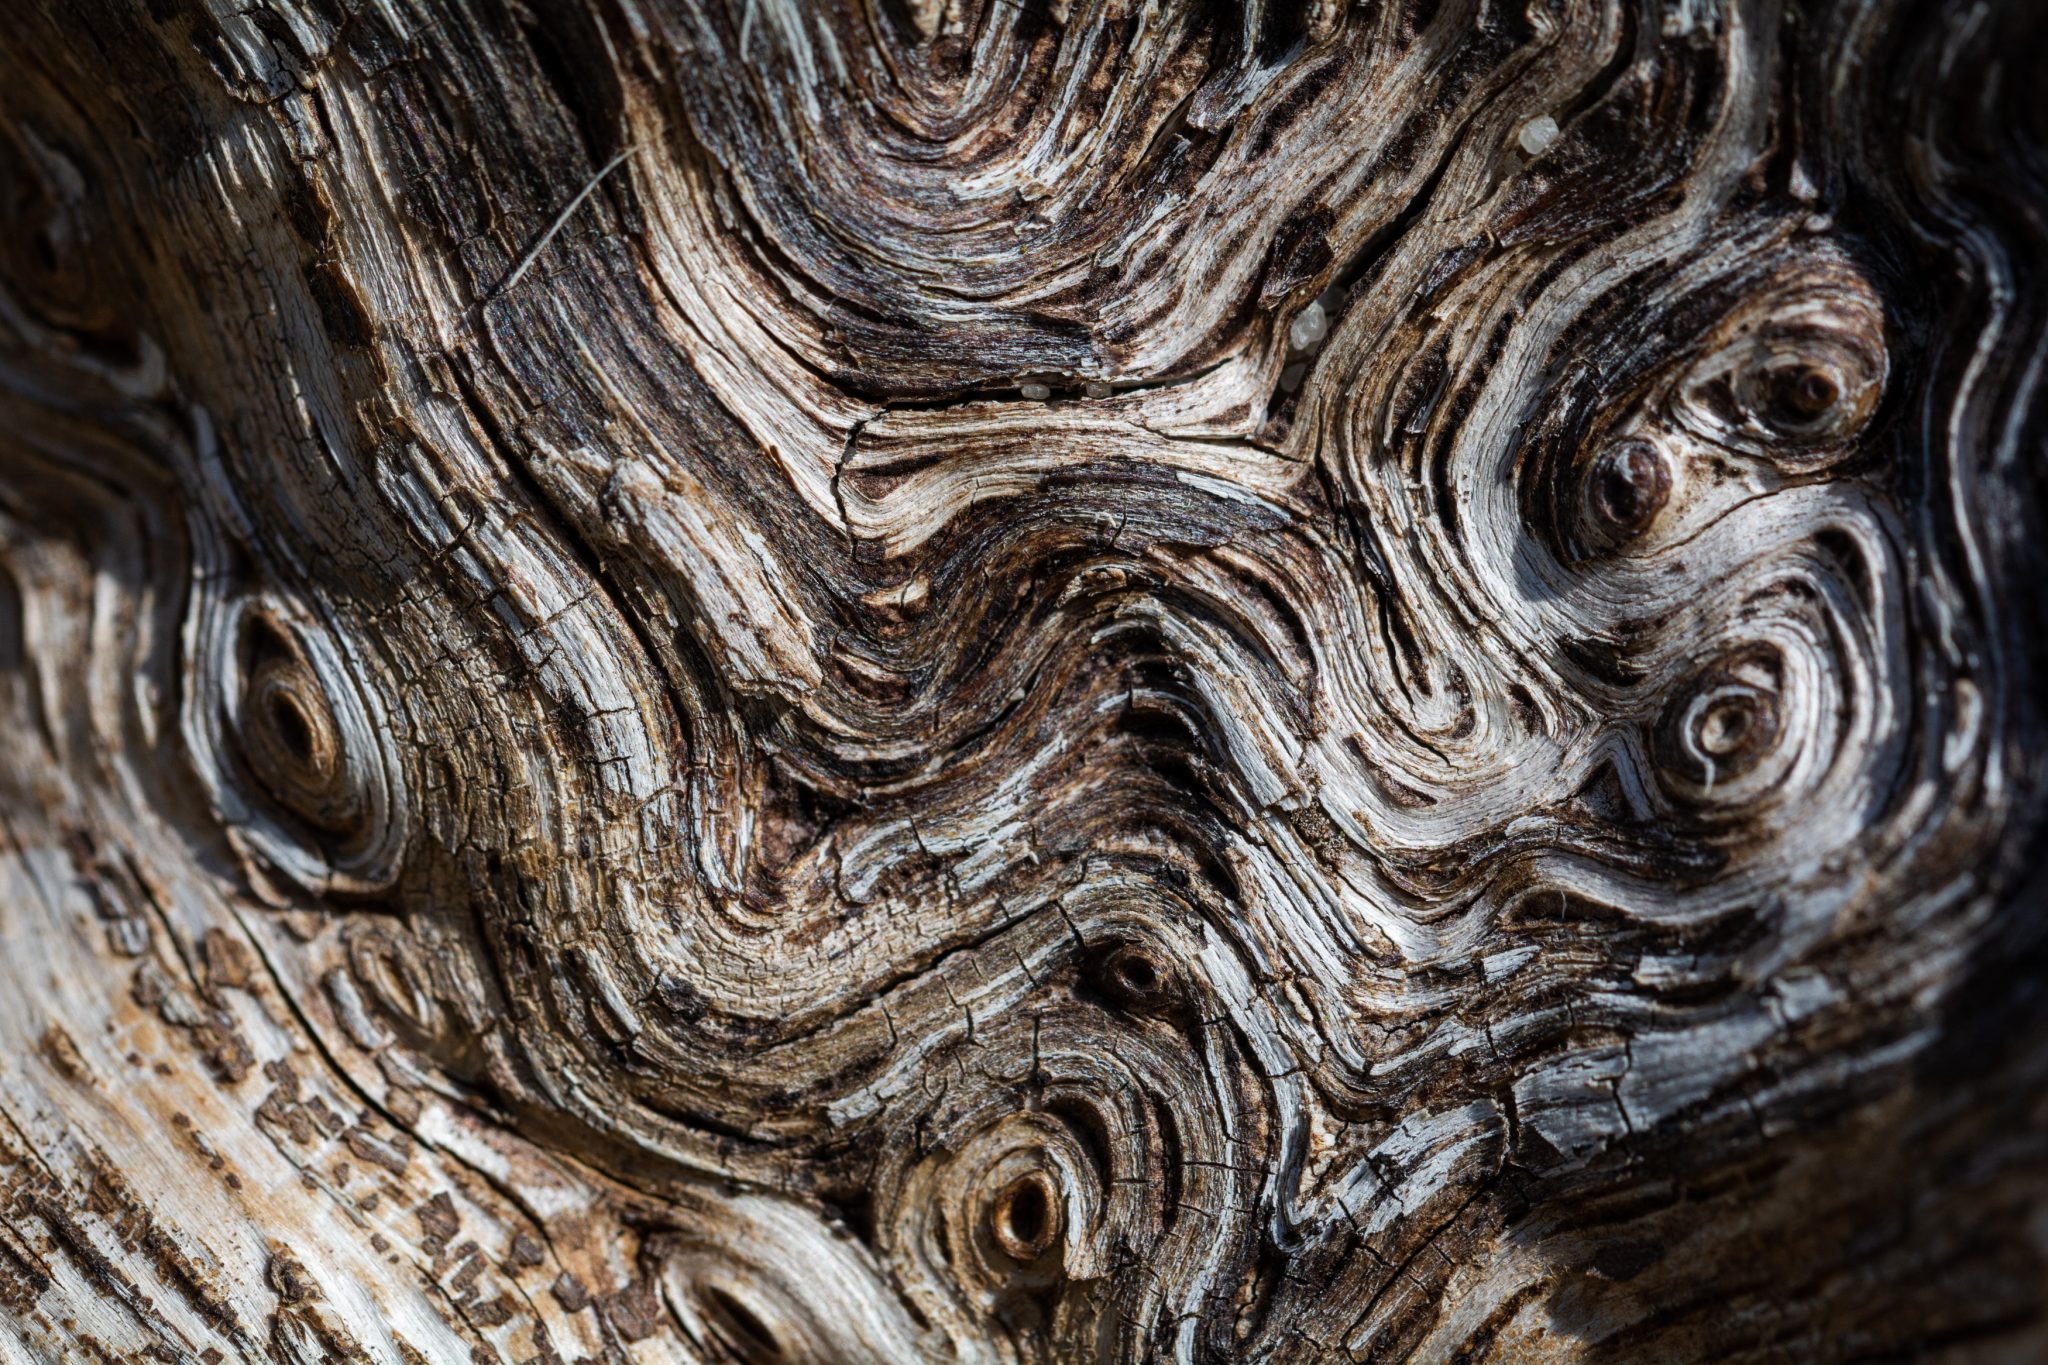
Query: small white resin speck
[[1310, 325], [1537, 134]]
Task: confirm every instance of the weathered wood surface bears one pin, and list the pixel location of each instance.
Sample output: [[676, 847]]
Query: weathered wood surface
[[977, 681]]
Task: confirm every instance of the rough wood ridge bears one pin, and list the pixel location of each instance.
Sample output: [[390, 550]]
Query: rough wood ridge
[[1022, 680]]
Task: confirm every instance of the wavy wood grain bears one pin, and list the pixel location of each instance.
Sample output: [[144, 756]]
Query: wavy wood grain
[[985, 682]]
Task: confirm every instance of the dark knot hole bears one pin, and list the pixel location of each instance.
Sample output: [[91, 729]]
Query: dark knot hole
[[1138, 973], [294, 730], [1026, 1218], [1135, 976]]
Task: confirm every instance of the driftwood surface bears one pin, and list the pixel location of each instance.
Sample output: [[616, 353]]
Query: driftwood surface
[[1022, 680]]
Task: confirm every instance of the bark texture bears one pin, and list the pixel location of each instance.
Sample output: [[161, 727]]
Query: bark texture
[[1073, 680]]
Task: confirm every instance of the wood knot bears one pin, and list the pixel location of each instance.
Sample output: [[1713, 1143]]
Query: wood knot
[[1726, 720], [299, 760], [1136, 977], [1626, 487], [1796, 373], [288, 733], [1025, 1219], [1819, 389]]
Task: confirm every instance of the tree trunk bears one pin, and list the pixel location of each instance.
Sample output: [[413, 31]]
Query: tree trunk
[[1073, 680]]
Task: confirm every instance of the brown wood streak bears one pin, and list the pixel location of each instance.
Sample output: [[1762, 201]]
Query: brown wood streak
[[978, 681]]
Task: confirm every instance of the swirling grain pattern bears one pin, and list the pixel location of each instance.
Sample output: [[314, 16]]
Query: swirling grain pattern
[[1076, 680]]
